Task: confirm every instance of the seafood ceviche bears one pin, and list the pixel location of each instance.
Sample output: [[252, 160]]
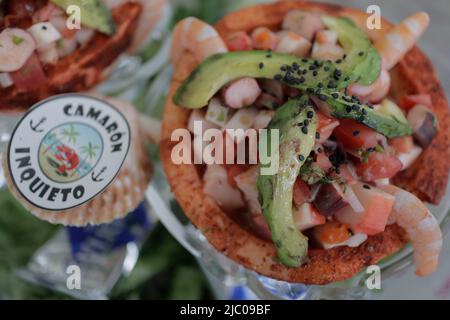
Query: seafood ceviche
[[343, 136], [48, 47]]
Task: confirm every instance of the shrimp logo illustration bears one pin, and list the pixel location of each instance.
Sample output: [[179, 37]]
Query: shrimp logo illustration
[[70, 151], [66, 150]]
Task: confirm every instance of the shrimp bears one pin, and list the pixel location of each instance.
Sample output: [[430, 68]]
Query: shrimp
[[152, 11], [374, 92], [420, 225], [198, 37], [401, 39], [392, 48]]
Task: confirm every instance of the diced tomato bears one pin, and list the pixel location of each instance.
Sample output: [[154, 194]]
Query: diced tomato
[[408, 102], [354, 135], [31, 75], [332, 232], [24, 7], [379, 166], [301, 192], [323, 162], [234, 170], [377, 208], [402, 144], [239, 41], [325, 126]]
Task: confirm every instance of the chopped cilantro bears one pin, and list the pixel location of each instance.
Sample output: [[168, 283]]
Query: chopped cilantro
[[17, 40]]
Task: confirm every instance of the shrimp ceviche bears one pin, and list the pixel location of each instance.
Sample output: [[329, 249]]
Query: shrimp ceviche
[[347, 133], [49, 47]]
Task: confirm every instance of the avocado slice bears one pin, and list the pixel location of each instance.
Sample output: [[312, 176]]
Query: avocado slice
[[218, 70], [276, 190], [343, 106], [362, 62], [94, 14]]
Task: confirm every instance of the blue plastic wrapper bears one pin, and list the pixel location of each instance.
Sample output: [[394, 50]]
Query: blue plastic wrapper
[[87, 262]]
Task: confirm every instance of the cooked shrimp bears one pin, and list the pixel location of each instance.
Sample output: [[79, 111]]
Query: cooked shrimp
[[241, 93], [420, 225], [264, 39], [198, 37], [374, 92], [401, 39], [152, 11]]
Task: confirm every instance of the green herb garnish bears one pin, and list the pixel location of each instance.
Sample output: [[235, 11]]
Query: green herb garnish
[[17, 40]]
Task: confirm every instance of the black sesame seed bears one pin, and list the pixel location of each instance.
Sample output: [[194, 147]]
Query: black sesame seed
[[318, 136], [317, 63], [364, 111], [306, 122], [366, 186], [305, 71], [335, 95], [326, 68], [295, 66], [348, 109], [275, 105], [305, 130], [44, 27], [312, 67], [310, 114], [305, 60], [310, 90], [355, 107], [301, 157], [319, 150], [347, 78], [278, 77], [332, 84], [323, 97], [261, 65], [361, 119], [344, 56], [361, 53], [302, 79], [355, 133], [315, 73], [283, 68], [338, 171], [339, 61]]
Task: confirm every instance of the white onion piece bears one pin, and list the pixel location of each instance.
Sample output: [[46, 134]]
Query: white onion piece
[[408, 158], [350, 196], [5, 80], [382, 182], [16, 47], [44, 33]]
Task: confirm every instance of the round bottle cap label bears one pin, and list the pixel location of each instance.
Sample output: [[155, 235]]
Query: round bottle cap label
[[66, 150]]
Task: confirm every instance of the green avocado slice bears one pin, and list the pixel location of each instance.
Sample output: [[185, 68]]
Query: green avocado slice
[[343, 106], [218, 70], [94, 14], [362, 62], [276, 190]]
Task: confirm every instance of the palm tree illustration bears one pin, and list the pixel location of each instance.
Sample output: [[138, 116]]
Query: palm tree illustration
[[90, 151], [54, 140], [70, 134]]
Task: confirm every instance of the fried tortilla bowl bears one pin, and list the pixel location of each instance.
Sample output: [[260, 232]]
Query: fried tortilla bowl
[[90, 64], [414, 74]]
